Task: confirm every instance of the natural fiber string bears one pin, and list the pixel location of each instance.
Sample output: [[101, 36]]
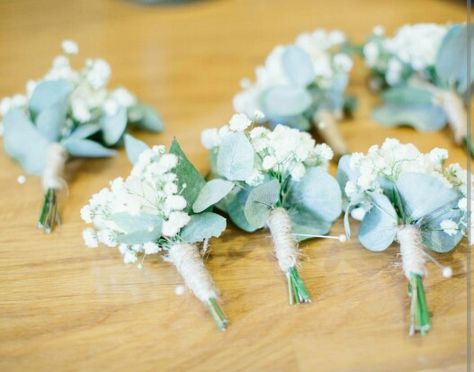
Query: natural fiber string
[[411, 249], [53, 174]]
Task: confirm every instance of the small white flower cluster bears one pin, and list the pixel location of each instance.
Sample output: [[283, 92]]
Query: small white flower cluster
[[413, 48], [150, 189], [90, 97], [330, 63], [391, 160], [283, 151]]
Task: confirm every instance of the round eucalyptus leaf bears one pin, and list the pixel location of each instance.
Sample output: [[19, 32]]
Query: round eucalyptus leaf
[[87, 148], [235, 159], [298, 66], [203, 226], [379, 227], [84, 130], [140, 222], [113, 126], [344, 172], [233, 205], [407, 95], [145, 117], [260, 201], [134, 148], [423, 194], [212, 192], [304, 224], [49, 93], [285, 101]]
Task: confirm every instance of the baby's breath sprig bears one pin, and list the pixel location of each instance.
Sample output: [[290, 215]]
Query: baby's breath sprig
[[276, 179], [400, 194]]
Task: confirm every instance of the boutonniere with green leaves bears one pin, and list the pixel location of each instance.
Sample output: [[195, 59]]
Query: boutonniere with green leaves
[[303, 85], [275, 179], [151, 212], [402, 195], [421, 73], [68, 113]]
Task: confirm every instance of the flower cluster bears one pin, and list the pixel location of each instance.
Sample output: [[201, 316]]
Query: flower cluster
[[89, 99], [392, 159], [150, 190], [330, 62], [412, 49], [282, 151]]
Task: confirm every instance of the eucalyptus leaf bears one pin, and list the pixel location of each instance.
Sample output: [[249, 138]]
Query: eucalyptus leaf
[[407, 95], [344, 172], [235, 159], [423, 194], [299, 122], [233, 205], [51, 120], [260, 201], [298, 66], [379, 227], [24, 143], [49, 93], [134, 148], [423, 117], [189, 179], [304, 224], [87, 148], [145, 117], [203, 226], [212, 192], [113, 126], [84, 130], [452, 57], [140, 222], [436, 239], [139, 237], [317, 192], [285, 101]]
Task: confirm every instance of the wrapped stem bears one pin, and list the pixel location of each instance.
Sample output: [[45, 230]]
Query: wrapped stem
[[188, 262], [326, 124], [53, 181], [286, 251], [413, 260], [457, 117]]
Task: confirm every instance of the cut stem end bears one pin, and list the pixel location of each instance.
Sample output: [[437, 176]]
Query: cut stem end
[[49, 216], [297, 292], [217, 314], [419, 315]]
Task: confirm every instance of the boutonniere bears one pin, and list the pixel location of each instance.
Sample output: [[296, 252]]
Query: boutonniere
[[275, 179], [302, 85], [68, 113], [402, 195], [151, 212], [422, 74]]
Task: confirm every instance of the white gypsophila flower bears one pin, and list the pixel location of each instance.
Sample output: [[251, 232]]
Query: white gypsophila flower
[[129, 257], [70, 47], [462, 204], [111, 106], [86, 214], [98, 72], [151, 248], [394, 71], [255, 178], [378, 30], [343, 62], [449, 227], [173, 225], [210, 138], [90, 238], [438, 155], [239, 122], [123, 97], [30, 87], [371, 54]]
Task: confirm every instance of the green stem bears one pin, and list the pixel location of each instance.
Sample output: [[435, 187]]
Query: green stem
[[298, 294], [217, 314], [49, 211], [421, 317], [469, 146]]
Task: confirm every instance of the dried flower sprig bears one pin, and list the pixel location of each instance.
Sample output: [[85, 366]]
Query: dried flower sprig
[[302, 85], [403, 195], [422, 74], [151, 212], [277, 179], [68, 113]]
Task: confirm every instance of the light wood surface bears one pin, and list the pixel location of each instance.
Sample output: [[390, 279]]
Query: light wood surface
[[65, 307]]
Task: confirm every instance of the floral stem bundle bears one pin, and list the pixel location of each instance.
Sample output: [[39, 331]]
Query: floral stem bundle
[[422, 74], [68, 113], [153, 211], [276, 179], [302, 85], [402, 195]]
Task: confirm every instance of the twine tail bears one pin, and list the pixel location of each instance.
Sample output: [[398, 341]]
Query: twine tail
[[328, 129], [53, 182], [188, 262], [286, 251], [413, 260]]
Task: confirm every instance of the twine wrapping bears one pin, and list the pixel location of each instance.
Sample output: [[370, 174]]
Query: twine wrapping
[[286, 249], [53, 174], [457, 118], [326, 124], [411, 249], [188, 262]]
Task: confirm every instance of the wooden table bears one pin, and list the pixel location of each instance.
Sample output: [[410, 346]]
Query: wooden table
[[65, 307]]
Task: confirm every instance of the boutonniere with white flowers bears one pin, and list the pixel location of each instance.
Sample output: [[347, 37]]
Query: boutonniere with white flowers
[[276, 179], [68, 113], [151, 212], [422, 74], [402, 195], [302, 85]]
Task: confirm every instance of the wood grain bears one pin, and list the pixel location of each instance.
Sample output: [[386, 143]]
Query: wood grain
[[64, 307]]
